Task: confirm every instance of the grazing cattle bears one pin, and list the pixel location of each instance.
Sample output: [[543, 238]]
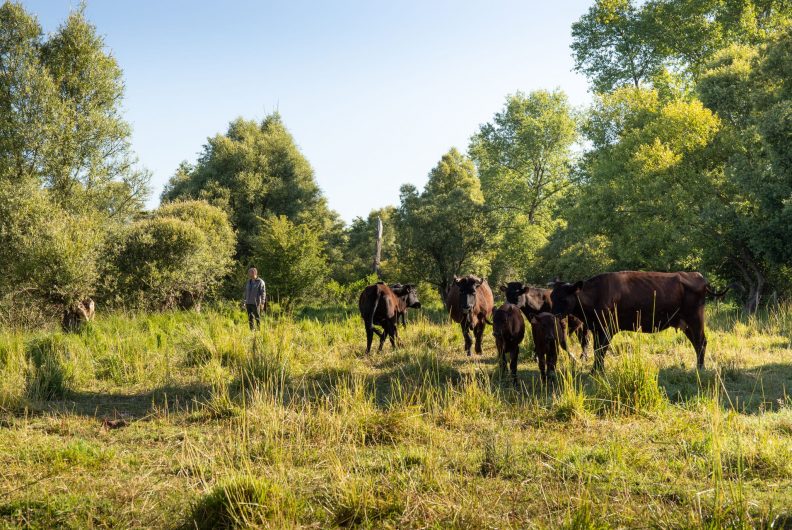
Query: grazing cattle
[[637, 301], [408, 297], [533, 300], [549, 333], [379, 306], [78, 314], [508, 328], [470, 302]]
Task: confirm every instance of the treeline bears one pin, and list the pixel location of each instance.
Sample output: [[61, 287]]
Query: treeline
[[681, 162]]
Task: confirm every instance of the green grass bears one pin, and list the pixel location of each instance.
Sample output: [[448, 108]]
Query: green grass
[[296, 427]]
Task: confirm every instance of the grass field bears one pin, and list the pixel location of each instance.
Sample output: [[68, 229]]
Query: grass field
[[183, 420]]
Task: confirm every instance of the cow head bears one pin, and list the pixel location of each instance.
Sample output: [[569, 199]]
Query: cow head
[[529, 299], [565, 297], [408, 293], [467, 286]]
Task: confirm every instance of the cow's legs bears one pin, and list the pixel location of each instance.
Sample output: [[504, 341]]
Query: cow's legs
[[540, 357], [394, 333], [552, 359], [601, 343], [501, 349], [466, 335], [369, 338], [582, 335], [382, 336], [515, 352], [695, 335], [478, 332]]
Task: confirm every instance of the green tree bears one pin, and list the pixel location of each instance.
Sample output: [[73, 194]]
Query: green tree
[[445, 230], [612, 45], [651, 180], [361, 241], [524, 160], [290, 258], [174, 258], [254, 171]]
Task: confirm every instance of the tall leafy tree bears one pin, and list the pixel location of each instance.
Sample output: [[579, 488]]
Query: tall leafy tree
[[253, 171], [445, 230], [65, 146], [524, 158]]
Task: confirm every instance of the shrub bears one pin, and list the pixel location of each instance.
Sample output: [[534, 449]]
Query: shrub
[[173, 259], [289, 257]]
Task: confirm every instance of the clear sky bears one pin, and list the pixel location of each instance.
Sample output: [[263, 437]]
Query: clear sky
[[374, 92]]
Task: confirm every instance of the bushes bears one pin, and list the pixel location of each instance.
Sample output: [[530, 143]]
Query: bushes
[[175, 258], [289, 256]]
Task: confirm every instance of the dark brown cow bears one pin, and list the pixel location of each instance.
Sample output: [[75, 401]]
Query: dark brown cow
[[379, 306], [508, 328], [404, 292], [637, 301], [470, 302], [533, 300], [78, 314], [549, 333]]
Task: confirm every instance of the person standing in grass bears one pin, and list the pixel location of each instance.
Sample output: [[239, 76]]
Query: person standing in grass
[[255, 296]]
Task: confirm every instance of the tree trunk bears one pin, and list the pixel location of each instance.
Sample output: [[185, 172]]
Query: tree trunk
[[378, 249]]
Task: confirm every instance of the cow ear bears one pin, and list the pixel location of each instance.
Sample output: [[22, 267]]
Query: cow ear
[[456, 278], [578, 286], [525, 290], [502, 288]]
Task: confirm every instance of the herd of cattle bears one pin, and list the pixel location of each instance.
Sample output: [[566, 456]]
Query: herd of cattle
[[604, 304]]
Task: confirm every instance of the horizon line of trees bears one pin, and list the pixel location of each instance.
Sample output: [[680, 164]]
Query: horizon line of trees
[[682, 161]]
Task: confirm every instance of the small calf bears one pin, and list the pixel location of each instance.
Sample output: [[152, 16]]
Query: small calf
[[549, 333], [508, 328]]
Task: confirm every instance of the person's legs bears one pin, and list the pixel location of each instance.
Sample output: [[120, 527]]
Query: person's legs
[[253, 314]]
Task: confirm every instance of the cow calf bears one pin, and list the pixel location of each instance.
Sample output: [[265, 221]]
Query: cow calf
[[508, 328], [549, 333]]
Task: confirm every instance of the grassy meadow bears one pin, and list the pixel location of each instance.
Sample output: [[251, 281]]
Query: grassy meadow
[[187, 420]]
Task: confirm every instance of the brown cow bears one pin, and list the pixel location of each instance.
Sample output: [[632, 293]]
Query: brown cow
[[470, 302], [549, 333], [78, 314], [637, 301], [508, 328], [533, 300], [379, 306], [403, 292]]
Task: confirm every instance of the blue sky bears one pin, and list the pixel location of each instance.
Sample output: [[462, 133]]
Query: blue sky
[[373, 92]]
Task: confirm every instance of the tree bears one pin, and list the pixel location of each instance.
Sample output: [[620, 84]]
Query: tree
[[524, 160], [290, 258], [624, 42], [613, 47], [651, 180], [255, 171], [361, 239], [750, 89], [445, 230], [174, 258], [66, 169]]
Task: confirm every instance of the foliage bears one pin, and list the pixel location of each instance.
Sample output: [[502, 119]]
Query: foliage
[[361, 243], [290, 258], [445, 230], [252, 172], [524, 161], [176, 257]]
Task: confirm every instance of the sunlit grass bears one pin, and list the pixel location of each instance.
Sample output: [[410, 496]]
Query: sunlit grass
[[185, 420]]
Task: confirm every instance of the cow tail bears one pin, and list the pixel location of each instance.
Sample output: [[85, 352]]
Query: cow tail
[[374, 311]]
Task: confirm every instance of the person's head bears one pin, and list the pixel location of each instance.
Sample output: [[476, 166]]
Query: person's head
[[252, 273]]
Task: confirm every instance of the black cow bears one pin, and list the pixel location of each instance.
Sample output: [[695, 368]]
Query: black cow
[[637, 301], [379, 306], [549, 333], [534, 300], [408, 297], [508, 328]]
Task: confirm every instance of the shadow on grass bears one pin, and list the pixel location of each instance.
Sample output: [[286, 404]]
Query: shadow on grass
[[120, 404], [744, 390]]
